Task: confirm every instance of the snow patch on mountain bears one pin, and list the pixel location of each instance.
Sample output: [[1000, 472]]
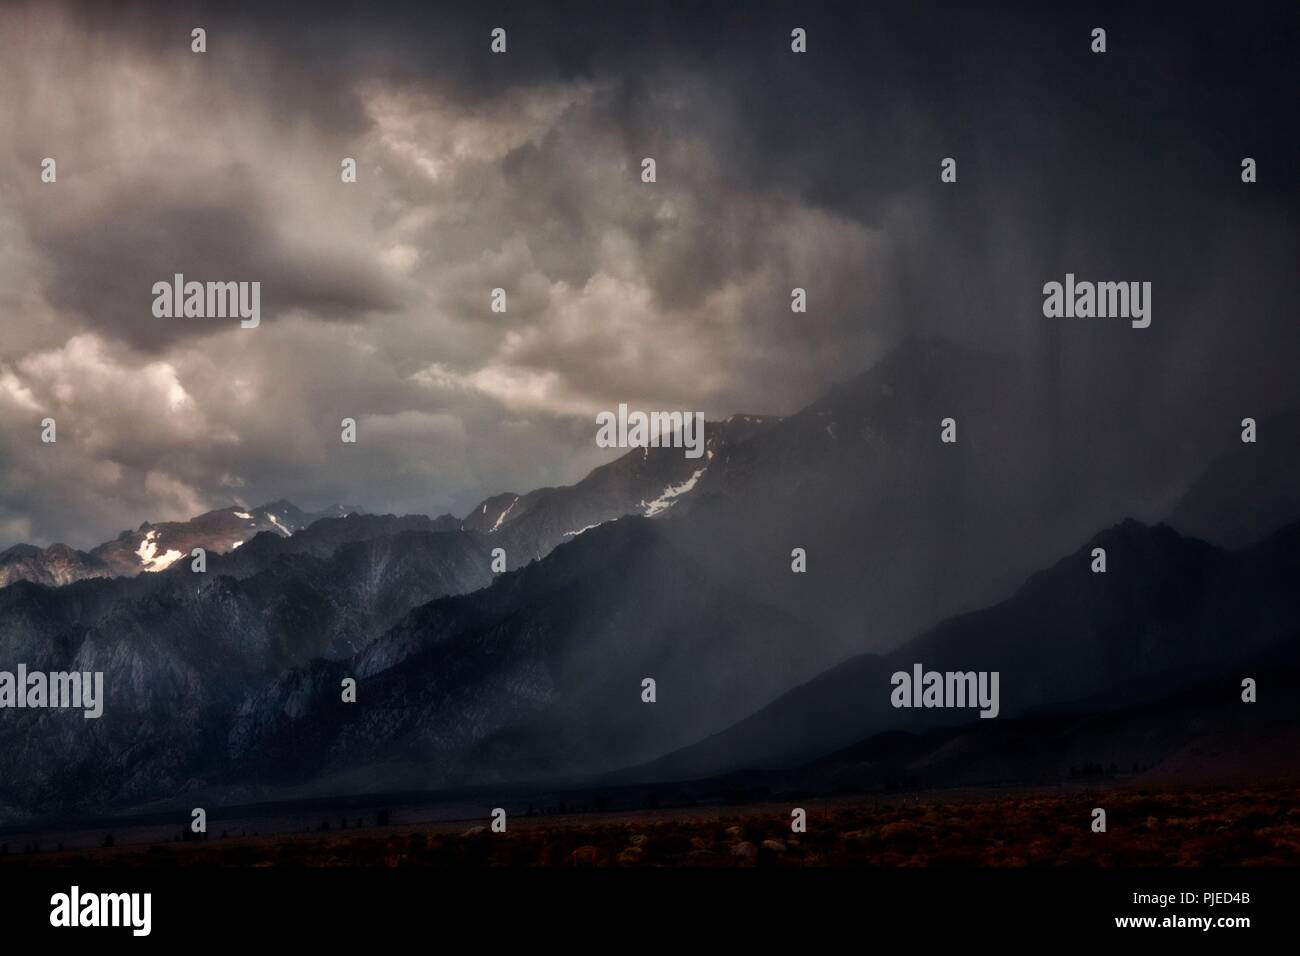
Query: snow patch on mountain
[[276, 521], [670, 495], [502, 516], [149, 556]]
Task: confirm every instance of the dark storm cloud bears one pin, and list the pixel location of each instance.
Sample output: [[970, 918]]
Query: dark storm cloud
[[106, 261], [479, 171]]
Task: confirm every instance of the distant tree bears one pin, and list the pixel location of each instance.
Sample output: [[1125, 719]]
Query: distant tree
[[108, 841], [381, 818]]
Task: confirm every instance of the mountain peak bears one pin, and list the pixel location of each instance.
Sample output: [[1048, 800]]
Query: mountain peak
[[1131, 531]]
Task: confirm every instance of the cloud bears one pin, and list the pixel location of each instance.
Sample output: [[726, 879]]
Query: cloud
[[521, 172], [167, 163]]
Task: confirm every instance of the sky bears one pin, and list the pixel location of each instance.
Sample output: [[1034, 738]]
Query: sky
[[522, 170]]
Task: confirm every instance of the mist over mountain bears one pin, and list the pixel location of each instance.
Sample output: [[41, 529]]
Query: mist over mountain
[[511, 683], [1246, 493], [1201, 733], [227, 684], [901, 529], [650, 482], [1169, 610], [540, 674]]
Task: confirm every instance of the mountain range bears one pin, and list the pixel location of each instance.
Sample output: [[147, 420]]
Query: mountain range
[[646, 481], [225, 685], [1168, 611], [154, 547]]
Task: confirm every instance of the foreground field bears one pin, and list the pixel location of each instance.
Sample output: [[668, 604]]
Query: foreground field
[[1196, 827]]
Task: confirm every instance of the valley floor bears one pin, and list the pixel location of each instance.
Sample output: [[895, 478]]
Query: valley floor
[[1168, 827]]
